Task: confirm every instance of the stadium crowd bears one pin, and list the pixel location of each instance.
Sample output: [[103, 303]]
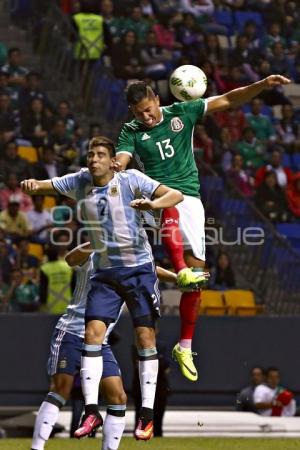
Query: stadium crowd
[[256, 147]]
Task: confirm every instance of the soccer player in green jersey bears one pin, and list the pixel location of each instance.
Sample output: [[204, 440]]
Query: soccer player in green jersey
[[162, 138]]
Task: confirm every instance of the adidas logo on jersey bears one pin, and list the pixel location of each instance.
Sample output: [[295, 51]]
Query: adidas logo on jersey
[[145, 137]]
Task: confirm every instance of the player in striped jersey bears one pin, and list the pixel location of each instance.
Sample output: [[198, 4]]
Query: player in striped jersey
[[111, 205]]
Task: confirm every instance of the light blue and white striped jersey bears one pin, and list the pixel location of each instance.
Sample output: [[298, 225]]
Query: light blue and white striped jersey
[[73, 320], [114, 228]]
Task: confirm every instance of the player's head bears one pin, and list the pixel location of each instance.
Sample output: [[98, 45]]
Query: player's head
[[143, 103], [101, 156]]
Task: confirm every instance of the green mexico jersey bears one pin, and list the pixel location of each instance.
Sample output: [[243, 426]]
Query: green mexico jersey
[[166, 150]]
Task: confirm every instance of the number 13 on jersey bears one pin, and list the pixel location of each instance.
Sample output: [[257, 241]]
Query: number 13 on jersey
[[166, 150]]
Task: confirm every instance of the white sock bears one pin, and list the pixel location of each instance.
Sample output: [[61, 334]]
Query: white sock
[[91, 373], [185, 344], [112, 431], [148, 370], [45, 420]]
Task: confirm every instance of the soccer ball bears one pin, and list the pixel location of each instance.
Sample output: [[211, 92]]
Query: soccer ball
[[188, 82]]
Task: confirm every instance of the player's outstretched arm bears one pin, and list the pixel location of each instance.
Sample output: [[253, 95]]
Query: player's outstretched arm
[[122, 161], [164, 197], [79, 255], [166, 275], [244, 94], [32, 186]]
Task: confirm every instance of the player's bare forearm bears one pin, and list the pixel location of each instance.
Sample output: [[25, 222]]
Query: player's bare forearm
[[32, 187], [122, 161], [79, 255], [244, 94], [165, 197], [166, 275]]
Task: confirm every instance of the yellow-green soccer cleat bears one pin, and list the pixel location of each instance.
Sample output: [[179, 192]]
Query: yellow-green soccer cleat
[[189, 278], [185, 361]]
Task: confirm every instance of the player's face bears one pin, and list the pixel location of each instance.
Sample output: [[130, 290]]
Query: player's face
[[99, 161], [147, 111]]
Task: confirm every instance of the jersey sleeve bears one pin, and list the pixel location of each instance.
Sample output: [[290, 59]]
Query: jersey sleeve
[[66, 185], [142, 183], [260, 395], [195, 109], [126, 141]]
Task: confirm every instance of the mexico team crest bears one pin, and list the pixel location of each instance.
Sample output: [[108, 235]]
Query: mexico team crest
[[176, 124], [113, 192]]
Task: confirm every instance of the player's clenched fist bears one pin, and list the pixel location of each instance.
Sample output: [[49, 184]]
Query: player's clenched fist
[[30, 186], [142, 203]]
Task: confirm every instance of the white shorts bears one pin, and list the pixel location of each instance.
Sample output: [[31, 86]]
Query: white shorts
[[192, 225]]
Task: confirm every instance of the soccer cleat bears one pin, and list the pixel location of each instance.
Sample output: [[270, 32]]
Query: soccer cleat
[[185, 360], [144, 430], [89, 424], [189, 278]]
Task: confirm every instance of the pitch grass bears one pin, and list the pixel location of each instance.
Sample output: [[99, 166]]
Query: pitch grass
[[162, 444]]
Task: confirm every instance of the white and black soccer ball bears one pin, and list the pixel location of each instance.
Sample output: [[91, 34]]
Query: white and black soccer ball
[[188, 82]]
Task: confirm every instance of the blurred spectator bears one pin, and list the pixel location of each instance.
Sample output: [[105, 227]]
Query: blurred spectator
[[259, 122], [62, 144], [31, 90], [242, 53], [245, 400], [91, 32], [225, 149], [222, 275], [13, 163], [241, 179], [35, 123], [189, 34], [48, 166], [251, 32], [251, 150], [212, 51], [9, 119], [64, 113], [271, 200], [288, 129], [231, 78], [22, 296], [55, 283], [156, 59], [137, 24], [147, 8], [7, 261], [271, 399], [3, 53], [4, 288], [17, 73], [112, 23], [167, 7], [13, 188], [234, 120], [27, 263], [5, 89], [95, 129], [279, 61], [40, 220], [13, 221], [293, 195], [165, 33], [283, 174], [274, 35], [126, 57], [203, 145]]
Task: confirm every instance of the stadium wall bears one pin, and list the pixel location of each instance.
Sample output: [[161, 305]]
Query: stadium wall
[[227, 347]]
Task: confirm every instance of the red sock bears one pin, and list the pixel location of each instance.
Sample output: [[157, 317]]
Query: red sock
[[189, 311], [172, 239]]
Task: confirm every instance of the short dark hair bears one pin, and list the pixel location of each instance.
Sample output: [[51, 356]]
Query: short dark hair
[[137, 91], [13, 50], [271, 369], [104, 142]]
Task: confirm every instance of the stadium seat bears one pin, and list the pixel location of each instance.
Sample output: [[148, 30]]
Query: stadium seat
[[212, 303], [241, 303], [36, 250], [292, 232], [49, 202], [225, 18], [286, 160], [234, 206], [295, 162], [28, 153], [170, 301]]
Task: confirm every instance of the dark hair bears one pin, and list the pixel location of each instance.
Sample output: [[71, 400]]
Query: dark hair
[[13, 49], [259, 368], [104, 142], [271, 369], [137, 91]]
